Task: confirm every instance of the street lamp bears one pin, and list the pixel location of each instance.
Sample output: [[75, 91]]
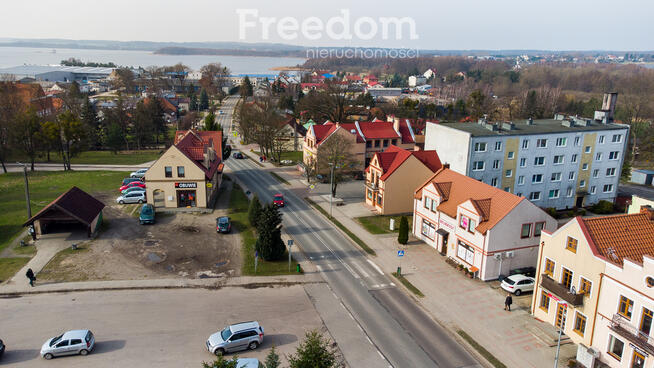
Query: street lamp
[[27, 191], [331, 187]]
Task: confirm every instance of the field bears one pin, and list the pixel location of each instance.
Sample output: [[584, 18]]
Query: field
[[98, 158]]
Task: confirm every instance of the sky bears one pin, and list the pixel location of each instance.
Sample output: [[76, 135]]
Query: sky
[[440, 25]]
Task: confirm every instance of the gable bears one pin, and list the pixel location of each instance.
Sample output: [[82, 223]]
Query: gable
[[174, 157]]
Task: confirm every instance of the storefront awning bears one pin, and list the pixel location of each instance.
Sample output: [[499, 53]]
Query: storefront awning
[[442, 232]]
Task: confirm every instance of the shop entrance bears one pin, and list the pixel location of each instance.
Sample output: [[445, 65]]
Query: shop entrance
[[186, 198]]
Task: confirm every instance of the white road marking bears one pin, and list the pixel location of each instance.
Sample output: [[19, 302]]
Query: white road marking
[[360, 269], [319, 267], [375, 266], [392, 284]]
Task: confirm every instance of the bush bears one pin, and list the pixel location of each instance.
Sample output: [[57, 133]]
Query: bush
[[403, 236], [269, 243], [551, 211], [254, 210], [314, 351], [602, 207]]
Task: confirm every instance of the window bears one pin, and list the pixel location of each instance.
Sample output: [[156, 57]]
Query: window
[[614, 155], [75, 341], [571, 244], [638, 360], [595, 173], [574, 159], [544, 301], [496, 164], [493, 182], [434, 205], [510, 155], [558, 159], [554, 193], [568, 192], [379, 199], [593, 189], [541, 143], [626, 307], [608, 188], [525, 144], [394, 142], [556, 176], [610, 171], [549, 267], [561, 142], [582, 183], [534, 196], [519, 194], [566, 278], [577, 141], [465, 252], [508, 173], [385, 142], [480, 147], [617, 138], [584, 167], [376, 142], [478, 166], [498, 146], [537, 178], [472, 224], [616, 347], [585, 286], [580, 324], [646, 321], [169, 171], [525, 231], [427, 201], [63, 343], [523, 162], [600, 140], [428, 229], [507, 189], [463, 222], [180, 171], [587, 149], [369, 144], [538, 228], [521, 180], [539, 161], [571, 175], [598, 156]]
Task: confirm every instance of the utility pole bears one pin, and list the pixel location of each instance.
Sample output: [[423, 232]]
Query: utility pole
[[27, 191], [331, 188]]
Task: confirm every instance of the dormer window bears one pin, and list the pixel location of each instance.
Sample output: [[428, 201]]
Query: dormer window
[[467, 223]]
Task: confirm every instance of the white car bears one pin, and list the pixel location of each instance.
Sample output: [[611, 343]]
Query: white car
[[69, 343], [132, 197], [518, 284], [138, 173], [248, 363]]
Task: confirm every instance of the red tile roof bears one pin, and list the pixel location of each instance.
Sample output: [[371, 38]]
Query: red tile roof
[[378, 130], [194, 143], [74, 202], [491, 203], [393, 157], [615, 238]]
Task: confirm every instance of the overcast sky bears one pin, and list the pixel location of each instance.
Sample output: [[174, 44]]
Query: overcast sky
[[454, 24]]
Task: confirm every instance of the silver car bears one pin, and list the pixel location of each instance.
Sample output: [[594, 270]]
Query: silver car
[[72, 342], [132, 189], [132, 197], [240, 336], [138, 173]]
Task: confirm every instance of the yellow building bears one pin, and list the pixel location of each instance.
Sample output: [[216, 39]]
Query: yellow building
[[189, 173]]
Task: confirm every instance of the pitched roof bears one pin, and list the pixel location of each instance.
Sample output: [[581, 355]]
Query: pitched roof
[[393, 157], [194, 143], [615, 238], [74, 202], [429, 158], [491, 203]]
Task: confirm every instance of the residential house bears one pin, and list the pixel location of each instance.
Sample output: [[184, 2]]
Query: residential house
[[417, 80], [32, 96], [393, 175], [485, 229], [189, 173], [638, 202]]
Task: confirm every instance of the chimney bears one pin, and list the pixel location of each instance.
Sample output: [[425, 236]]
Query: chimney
[[396, 124], [446, 165], [608, 104], [648, 210]]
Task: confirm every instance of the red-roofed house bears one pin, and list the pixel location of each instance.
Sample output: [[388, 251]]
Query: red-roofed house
[[189, 173], [485, 229], [393, 175], [32, 96]]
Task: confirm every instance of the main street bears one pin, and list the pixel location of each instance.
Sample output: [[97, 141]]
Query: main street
[[401, 331]]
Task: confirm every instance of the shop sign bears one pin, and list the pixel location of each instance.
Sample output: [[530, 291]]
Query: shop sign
[[446, 224], [186, 185]]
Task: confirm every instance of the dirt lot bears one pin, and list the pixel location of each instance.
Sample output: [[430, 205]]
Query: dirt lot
[[177, 245]]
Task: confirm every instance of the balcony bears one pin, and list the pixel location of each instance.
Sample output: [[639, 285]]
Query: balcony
[[621, 325], [561, 291], [372, 186]]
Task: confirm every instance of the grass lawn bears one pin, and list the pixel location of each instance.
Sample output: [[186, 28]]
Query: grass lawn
[[57, 270], [380, 224], [295, 156], [408, 285], [238, 207], [100, 157], [9, 267], [44, 187]]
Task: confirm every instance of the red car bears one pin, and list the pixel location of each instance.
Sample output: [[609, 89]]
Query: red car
[[278, 200], [133, 184]]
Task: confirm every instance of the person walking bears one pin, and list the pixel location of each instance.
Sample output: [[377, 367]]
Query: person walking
[[32, 232], [30, 275], [507, 302]]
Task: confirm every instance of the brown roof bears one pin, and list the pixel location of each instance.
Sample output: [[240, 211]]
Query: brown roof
[[491, 203], [74, 202], [615, 238], [193, 145]]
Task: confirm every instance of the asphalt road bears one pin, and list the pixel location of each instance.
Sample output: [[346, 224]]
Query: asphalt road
[[403, 333], [157, 328]]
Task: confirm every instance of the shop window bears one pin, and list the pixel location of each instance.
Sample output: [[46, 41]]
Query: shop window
[[428, 229], [169, 171], [626, 307], [180, 171], [465, 252]]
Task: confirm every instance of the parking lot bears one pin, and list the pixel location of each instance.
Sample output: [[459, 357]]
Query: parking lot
[[158, 328]]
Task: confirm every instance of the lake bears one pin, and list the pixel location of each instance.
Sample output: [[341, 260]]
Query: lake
[[16, 56]]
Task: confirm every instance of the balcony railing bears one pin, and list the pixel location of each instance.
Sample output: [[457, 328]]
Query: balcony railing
[[621, 325], [372, 186], [561, 291]]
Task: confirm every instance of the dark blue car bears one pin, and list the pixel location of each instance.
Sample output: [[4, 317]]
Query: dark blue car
[[223, 224]]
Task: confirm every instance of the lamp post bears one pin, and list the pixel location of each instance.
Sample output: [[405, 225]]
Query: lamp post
[[331, 188], [27, 191]]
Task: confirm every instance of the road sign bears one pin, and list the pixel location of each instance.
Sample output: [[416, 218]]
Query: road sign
[[400, 253], [312, 186], [290, 242], [235, 134], [209, 185]]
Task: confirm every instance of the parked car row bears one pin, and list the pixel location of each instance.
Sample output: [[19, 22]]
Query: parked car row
[[132, 189]]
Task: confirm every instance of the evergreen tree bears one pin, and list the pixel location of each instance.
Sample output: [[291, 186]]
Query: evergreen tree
[[403, 236], [221, 362], [193, 103], [269, 243], [246, 88], [210, 122], [314, 352], [254, 210], [204, 100], [272, 359], [91, 124], [115, 137]]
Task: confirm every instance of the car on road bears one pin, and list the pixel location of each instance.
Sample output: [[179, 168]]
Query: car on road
[[138, 173], [132, 189], [238, 155], [239, 336], [223, 224], [133, 184], [69, 343], [2, 348], [129, 180], [221, 112], [134, 197], [518, 284], [278, 200], [147, 214]]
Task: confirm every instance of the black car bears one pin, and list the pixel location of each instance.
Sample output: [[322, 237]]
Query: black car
[[238, 155], [527, 271]]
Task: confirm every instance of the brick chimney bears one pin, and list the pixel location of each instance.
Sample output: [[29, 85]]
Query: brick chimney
[[396, 124], [446, 165], [648, 210]]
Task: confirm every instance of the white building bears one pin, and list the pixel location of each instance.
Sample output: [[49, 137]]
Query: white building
[[417, 80]]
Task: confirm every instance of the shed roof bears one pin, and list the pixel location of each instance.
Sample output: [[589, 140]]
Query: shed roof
[[74, 202]]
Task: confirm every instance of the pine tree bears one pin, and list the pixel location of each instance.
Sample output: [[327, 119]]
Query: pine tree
[[246, 89], [254, 210], [314, 352], [210, 122], [91, 124], [403, 236], [204, 100], [269, 243], [221, 362], [193, 103], [115, 138], [272, 359]]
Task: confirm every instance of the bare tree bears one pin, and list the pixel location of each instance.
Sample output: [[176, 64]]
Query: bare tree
[[10, 106], [329, 103], [335, 154]]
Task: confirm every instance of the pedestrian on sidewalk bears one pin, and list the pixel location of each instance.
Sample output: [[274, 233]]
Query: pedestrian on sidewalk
[[32, 232], [30, 276], [507, 302], [260, 158]]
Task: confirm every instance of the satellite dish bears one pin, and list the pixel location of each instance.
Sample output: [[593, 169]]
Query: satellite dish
[[573, 290]]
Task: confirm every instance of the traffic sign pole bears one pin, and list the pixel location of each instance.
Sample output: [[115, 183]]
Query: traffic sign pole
[[290, 244]]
